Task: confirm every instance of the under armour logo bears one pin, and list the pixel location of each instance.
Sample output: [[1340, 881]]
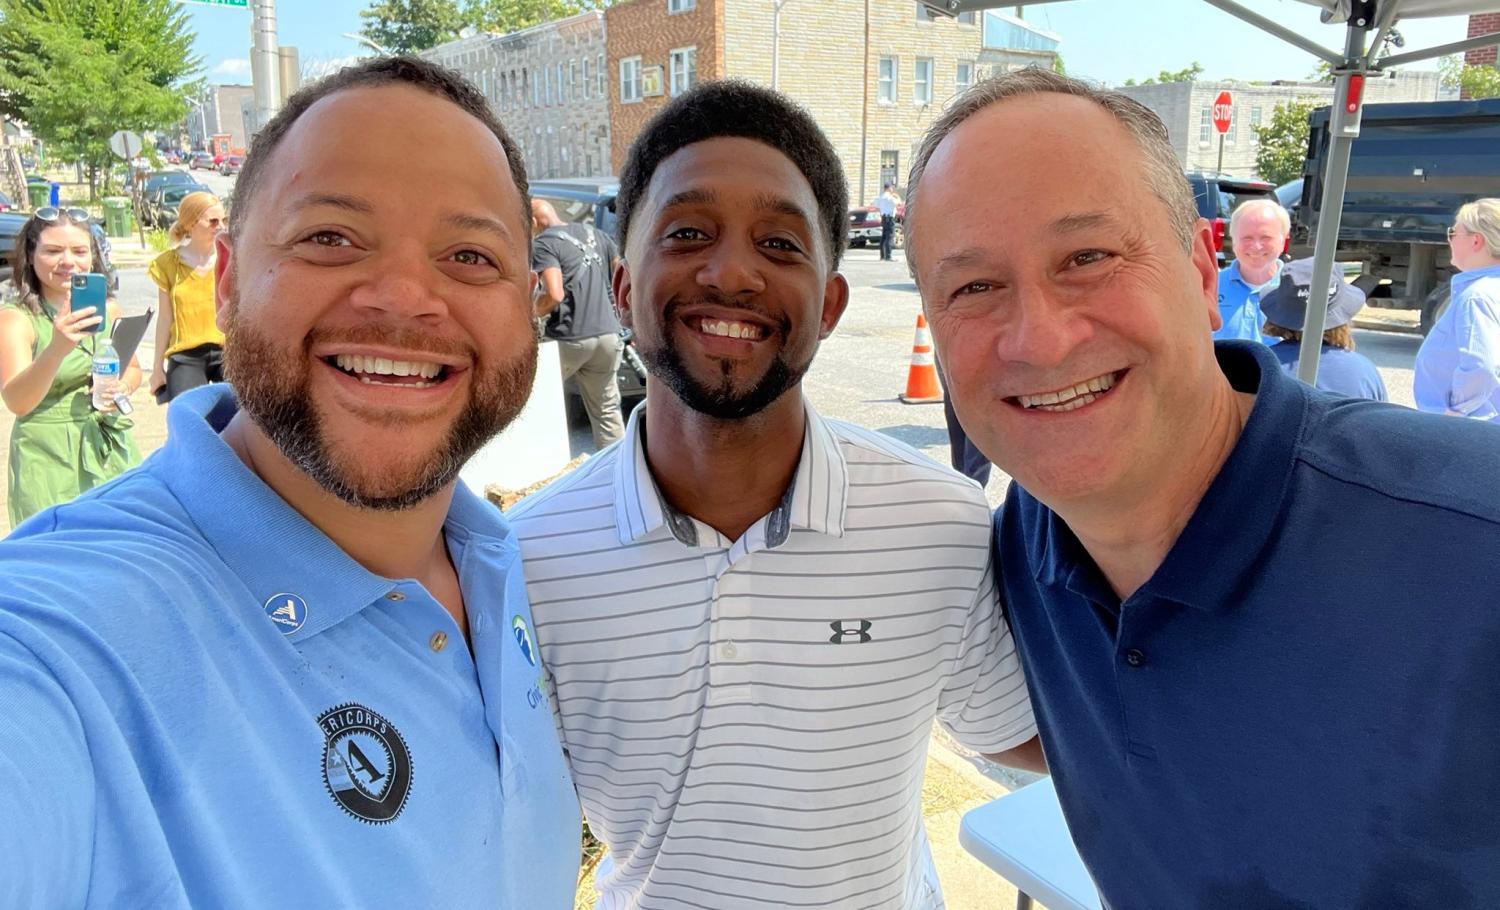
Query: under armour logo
[[843, 629]]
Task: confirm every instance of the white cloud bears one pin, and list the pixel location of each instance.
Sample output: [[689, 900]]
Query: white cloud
[[234, 66]]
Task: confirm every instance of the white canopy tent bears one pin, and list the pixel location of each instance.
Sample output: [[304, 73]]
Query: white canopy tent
[[1359, 58]]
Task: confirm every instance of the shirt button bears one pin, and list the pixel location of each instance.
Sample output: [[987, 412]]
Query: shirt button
[[728, 650], [438, 641], [395, 595], [1135, 657]]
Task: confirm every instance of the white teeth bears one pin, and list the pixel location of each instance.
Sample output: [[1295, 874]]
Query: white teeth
[[730, 329], [1071, 398], [384, 366]]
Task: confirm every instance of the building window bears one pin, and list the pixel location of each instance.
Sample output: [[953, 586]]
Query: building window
[[963, 75], [573, 79], [890, 166], [630, 80], [599, 76], [584, 85], [684, 69], [547, 85], [680, 6], [1254, 126], [921, 83], [968, 18], [562, 86], [887, 80], [1205, 126]]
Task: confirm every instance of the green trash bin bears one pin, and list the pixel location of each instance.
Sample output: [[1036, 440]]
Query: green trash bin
[[117, 222], [40, 194]]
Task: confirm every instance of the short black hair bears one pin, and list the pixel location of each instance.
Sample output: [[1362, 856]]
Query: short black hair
[[743, 110], [397, 70]]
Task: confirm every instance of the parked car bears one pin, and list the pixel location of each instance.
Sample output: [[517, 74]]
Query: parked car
[[163, 204], [10, 227], [202, 160], [591, 200], [231, 165], [864, 225], [1217, 196], [5, 204], [154, 181]]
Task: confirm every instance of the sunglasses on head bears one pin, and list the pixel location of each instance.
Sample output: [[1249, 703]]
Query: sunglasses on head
[[51, 214]]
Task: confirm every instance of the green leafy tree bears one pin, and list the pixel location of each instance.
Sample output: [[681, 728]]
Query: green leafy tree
[[408, 26], [1186, 74], [1473, 81], [1283, 142], [1058, 66], [503, 16], [78, 70]]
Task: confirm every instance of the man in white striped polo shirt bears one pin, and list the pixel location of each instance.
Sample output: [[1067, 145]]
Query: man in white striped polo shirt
[[752, 615]]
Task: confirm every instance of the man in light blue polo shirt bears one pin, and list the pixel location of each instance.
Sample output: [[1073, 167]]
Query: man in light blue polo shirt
[[289, 661], [1261, 677], [1258, 229]]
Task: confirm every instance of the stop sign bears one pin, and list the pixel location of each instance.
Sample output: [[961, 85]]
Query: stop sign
[[1223, 111]]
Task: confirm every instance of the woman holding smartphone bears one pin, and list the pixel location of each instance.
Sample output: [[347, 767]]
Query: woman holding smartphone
[[60, 445], [189, 346]]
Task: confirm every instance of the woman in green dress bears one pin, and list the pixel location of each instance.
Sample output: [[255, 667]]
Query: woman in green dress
[[59, 445]]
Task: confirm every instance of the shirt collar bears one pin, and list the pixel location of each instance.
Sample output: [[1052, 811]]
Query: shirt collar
[[266, 543], [1234, 273], [816, 501], [1217, 554]]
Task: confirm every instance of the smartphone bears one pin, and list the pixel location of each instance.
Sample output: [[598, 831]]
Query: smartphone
[[89, 291]]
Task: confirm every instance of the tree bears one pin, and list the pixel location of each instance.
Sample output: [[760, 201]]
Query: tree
[[78, 70], [1283, 142], [1187, 74], [1473, 81], [503, 16], [408, 26], [1058, 66]]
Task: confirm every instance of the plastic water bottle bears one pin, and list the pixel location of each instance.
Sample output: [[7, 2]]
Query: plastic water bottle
[[106, 374]]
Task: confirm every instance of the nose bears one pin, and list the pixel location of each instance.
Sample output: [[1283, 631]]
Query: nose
[[1044, 329], [404, 283], [733, 268]]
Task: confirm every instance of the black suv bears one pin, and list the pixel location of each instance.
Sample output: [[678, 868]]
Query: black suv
[[1219, 194]]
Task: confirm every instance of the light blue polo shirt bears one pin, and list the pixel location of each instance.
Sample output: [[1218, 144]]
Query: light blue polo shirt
[[1239, 305], [204, 702]]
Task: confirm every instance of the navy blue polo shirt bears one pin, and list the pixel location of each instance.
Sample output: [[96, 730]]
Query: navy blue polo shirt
[[1301, 707]]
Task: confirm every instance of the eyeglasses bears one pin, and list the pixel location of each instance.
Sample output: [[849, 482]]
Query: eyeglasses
[[51, 214], [1455, 232], [217, 222]]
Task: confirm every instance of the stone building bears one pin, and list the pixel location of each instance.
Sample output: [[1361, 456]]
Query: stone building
[[548, 85], [874, 74], [1186, 109], [222, 109]]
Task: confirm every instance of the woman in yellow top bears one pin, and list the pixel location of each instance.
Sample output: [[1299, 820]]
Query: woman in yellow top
[[189, 345]]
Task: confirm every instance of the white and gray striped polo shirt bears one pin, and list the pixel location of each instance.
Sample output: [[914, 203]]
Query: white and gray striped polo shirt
[[747, 721]]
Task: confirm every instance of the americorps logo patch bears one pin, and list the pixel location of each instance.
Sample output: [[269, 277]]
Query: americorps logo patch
[[523, 639], [287, 611], [366, 766]]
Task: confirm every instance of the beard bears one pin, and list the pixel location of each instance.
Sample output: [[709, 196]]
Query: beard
[[723, 398], [275, 391]]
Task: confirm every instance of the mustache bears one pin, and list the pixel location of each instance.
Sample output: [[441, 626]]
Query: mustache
[[375, 333], [677, 303]]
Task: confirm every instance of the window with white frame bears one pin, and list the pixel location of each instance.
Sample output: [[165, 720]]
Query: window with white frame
[[547, 85], [583, 86], [599, 75], [887, 81], [1254, 126], [680, 6], [963, 75], [562, 85], [573, 79], [921, 83], [630, 80], [683, 62], [1205, 126]]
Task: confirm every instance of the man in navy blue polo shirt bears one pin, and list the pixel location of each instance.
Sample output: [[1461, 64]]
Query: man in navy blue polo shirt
[[289, 662], [1258, 620]]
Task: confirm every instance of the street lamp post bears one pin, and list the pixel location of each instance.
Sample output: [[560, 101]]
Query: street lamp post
[[776, 42], [361, 39]]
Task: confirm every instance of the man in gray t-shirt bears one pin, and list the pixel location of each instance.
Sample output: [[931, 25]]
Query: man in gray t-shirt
[[575, 263]]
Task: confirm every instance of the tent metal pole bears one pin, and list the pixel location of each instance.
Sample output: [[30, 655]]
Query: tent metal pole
[[1277, 29], [1442, 50], [1343, 127], [1383, 23]]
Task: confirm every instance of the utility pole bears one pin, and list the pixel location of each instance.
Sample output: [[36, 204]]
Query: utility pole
[[776, 42], [265, 61]]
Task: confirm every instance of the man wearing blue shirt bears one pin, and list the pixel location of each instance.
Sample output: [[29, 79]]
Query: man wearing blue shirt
[[1260, 678], [1258, 229], [289, 661]]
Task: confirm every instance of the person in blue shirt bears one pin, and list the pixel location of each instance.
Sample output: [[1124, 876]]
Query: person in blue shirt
[[1259, 229], [1341, 369], [1458, 366], [289, 661], [1261, 679]]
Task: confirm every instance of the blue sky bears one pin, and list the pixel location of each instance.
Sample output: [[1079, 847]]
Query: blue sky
[[1110, 40]]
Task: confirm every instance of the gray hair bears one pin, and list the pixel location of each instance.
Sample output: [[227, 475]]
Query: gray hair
[[1255, 205], [1162, 173], [1482, 217]]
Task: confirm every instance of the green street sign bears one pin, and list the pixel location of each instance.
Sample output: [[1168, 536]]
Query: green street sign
[[242, 4]]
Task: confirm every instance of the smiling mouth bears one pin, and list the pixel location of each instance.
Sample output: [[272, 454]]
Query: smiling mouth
[[410, 374], [729, 328], [1071, 398]]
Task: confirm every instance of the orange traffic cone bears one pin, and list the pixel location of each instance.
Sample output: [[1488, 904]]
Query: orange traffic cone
[[922, 379]]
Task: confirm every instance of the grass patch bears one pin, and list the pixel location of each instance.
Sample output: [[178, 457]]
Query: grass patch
[[158, 240]]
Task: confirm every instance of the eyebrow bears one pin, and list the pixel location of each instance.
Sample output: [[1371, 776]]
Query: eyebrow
[[334, 200], [478, 223], [1080, 221], [762, 202]]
